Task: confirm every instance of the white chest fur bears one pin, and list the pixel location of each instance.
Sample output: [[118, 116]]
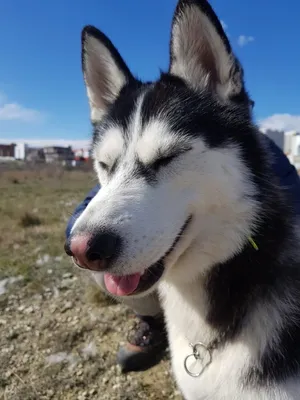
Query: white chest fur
[[222, 379]]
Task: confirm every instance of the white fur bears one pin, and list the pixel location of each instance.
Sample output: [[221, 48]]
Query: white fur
[[185, 309], [196, 46], [212, 185], [103, 78], [107, 151], [124, 199], [209, 184]]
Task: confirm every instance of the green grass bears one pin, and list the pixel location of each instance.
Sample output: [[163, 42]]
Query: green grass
[[35, 205], [56, 307]]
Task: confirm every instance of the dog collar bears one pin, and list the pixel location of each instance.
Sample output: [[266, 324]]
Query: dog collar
[[201, 356]]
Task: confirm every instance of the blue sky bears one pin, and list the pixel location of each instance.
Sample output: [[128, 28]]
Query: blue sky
[[42, 95]]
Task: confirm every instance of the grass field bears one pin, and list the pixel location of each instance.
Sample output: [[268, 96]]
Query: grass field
[[58, 333]]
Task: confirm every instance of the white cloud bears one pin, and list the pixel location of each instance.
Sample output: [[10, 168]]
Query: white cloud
[[17, 112], [76, 144], [244, 40], [282, 122]]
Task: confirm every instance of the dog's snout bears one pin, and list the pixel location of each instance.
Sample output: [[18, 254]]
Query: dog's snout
[[67, 248], [93, 252], [103, 246]]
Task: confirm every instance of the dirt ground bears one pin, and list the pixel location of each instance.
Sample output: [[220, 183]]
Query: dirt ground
[[58, 334]]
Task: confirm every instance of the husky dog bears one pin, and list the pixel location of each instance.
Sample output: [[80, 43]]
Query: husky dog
[[189, 206]]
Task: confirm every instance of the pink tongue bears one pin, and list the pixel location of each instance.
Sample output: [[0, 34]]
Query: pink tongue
[[121, 285]]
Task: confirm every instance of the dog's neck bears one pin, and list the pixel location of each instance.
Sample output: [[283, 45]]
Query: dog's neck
[[223, 294]]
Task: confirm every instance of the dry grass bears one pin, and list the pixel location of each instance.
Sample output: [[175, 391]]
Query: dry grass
[[34, 213], [29, 219], [58, 333]]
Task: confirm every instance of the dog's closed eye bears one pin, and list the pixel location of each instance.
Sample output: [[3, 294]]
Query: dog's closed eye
[[163, 161], [103, 166], [109, 168]]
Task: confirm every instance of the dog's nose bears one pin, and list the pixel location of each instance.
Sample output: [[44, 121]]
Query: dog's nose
[[93, 252], [103, 246], [67, 248]]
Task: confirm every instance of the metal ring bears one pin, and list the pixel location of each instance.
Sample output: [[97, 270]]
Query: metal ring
[[203, 346], [194, 375], [197, 357]]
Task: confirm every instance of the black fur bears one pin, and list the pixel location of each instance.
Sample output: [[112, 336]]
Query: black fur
[[251, 277], [120, 112], [144, 171], [234, 287]]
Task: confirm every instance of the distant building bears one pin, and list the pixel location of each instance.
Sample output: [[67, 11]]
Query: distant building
[[49, 154], [35, 155], [56, 154], [21, 150], [7, 151], [81, 154]]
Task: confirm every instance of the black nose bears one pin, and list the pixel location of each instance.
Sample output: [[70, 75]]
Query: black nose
[[103, 246], [67, 248]]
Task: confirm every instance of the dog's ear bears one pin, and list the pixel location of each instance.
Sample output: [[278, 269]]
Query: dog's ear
[[104, 70], [201, 53]]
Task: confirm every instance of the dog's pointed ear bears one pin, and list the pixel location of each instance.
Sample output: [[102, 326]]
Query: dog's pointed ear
[[104, 70], [201, 53]]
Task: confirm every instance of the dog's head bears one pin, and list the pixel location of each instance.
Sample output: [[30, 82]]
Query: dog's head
[[170, 156]]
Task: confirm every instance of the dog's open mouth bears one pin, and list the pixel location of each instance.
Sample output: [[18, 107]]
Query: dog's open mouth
[[127, 285]]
